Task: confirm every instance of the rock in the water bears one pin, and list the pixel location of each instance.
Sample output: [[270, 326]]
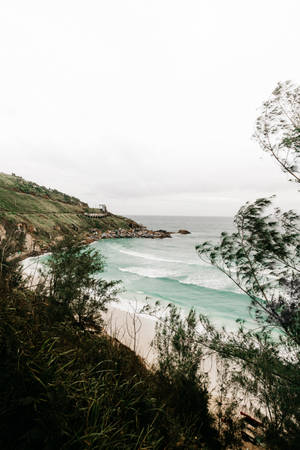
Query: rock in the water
[[184, 232]]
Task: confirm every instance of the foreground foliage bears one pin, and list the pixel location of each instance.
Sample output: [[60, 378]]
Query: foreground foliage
[[65, 384], [262, 257], [73, 284], [278, 127]]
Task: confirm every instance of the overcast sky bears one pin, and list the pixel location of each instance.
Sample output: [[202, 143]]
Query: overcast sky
[[148, 106]]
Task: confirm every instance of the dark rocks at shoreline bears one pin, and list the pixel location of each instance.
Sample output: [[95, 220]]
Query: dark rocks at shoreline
[[183, 232], [121, 233], [125, 233]]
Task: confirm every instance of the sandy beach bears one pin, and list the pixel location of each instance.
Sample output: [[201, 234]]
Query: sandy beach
[[134, 330], [126, 324], [137, 331]]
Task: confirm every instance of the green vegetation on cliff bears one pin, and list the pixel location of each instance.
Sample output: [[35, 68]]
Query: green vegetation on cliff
[[46, 214]]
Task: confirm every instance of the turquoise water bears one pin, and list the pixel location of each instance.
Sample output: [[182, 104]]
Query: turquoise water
[[169, 270]]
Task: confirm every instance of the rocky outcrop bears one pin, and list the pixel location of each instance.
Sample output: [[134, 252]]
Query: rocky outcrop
[[128, 233], [34, 247], [30, 244], [183, 232]]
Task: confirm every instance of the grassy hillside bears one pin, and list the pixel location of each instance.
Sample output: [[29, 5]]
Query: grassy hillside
[[46, 214]]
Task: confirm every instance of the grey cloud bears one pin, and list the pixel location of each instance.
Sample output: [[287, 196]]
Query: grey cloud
[[142, 104]]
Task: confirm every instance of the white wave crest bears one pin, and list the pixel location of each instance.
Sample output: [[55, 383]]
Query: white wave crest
[[211, 283], [149, 272], [155, 258]]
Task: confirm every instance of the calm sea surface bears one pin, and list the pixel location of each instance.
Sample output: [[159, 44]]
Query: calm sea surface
[[169, 270]]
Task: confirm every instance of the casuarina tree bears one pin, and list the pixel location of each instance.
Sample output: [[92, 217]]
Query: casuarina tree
[[262, 257]]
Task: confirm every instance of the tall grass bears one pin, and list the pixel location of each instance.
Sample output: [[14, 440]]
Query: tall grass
[[65, 386]]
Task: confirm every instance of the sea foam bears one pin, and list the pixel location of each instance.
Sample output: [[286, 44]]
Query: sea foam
[[210, 283], [149, 272], [156, 258]]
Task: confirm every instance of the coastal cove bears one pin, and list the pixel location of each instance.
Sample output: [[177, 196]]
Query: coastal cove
[[167, 270], [170, 270], [150, 225]]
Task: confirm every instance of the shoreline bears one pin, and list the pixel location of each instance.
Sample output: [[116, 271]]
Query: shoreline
[[131, 328], [137, 331], [122, 320], [95, 235], [121, 233]]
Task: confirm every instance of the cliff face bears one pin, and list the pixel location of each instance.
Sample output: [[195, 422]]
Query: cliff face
[[45, 215]]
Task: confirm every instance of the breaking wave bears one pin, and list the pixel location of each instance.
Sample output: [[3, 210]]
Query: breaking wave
[[149, 272], [173, 276], [156, 258]]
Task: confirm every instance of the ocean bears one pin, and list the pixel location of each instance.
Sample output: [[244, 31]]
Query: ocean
[[169, 270]]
